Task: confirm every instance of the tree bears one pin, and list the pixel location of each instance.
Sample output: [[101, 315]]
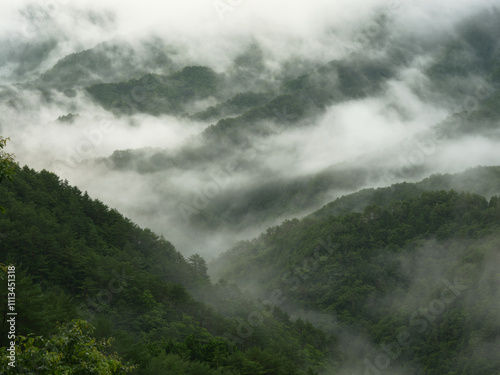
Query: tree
[[70, 351], [8, 165], [200, 266]]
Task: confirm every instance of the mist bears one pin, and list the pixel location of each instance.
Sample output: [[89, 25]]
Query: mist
[[168, 173], [213, 122]]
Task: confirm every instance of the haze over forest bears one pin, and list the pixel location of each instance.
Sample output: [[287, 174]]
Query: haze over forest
[[49, 62], [247, 132]]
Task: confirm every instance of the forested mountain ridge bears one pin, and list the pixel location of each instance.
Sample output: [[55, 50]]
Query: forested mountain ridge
[[77, 258], [157, 94], [384, 196], [107, 61], [68, 247], [379, 273]]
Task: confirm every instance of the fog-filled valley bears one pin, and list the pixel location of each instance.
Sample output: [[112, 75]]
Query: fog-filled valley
[[207, 152], [311, 176]]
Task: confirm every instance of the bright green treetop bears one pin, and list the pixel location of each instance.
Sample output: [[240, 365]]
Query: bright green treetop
[[71, 351], [7, 164]]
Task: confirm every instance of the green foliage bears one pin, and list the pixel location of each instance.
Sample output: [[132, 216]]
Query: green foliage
[[104, 62], [77, 258], [384, 197], [8, 165], [70, 351], [200, 266], [157, 94], [363, 267], [33, 303]]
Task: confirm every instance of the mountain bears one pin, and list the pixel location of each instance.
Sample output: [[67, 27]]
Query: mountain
[[76, 258], [242, 144], [169, 93], [247, 129], [408, 282], [320, 183], [108, 61], [413, 271]]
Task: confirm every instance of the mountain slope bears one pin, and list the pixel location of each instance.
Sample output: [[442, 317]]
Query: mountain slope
[[77, 258], [379, 275]]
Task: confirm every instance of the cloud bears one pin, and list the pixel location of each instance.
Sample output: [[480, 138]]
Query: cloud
[[277, 40]]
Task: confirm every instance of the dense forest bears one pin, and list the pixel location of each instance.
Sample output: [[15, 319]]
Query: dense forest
[[415, 277], [76, 258], [305, 285]]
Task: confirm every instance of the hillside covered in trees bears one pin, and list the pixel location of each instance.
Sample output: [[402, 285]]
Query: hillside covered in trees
[[311, 295], [77, 258], [414, 279]]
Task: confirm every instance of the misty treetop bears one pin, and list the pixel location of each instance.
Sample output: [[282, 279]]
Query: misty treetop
[[157, 94], [8, 165]]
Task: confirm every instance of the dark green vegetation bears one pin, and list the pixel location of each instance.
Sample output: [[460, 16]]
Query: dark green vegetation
[[107, 62], [413, 272], [77, 258], [466, 181], [8, 165], [296, 99], [157, 94], [378, 273], [70, 351]]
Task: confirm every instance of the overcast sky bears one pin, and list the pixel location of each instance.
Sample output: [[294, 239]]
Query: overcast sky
[[213, 26]]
